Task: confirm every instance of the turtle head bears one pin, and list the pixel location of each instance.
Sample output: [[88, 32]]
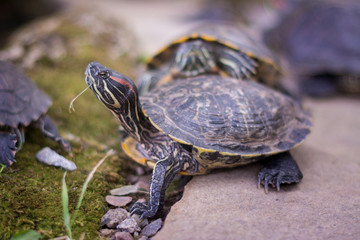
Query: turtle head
[[113, 89], [193, 58]]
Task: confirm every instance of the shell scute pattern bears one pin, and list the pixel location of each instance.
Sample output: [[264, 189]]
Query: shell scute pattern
[[227, 115]]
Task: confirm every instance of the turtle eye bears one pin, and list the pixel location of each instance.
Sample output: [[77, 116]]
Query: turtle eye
[[104, 74]]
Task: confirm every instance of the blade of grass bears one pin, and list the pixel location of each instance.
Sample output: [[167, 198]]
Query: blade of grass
[[2, 166], [88, 179], [65, 202]]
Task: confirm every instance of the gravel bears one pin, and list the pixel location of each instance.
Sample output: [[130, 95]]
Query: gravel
[[118, 201], [113, 217], [129, 225], [151, 229]]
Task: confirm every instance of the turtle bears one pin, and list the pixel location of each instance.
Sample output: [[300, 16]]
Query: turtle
[[219, 48], [22, 104], [201, 123], [320, 40]]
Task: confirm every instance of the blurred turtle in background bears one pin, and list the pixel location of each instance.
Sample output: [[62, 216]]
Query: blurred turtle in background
[[22, 104], [215, 48], [321, 41]]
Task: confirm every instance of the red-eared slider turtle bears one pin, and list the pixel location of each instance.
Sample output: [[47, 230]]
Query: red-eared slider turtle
[[22, 104], [213, 48], [201, 123], [320, 39]]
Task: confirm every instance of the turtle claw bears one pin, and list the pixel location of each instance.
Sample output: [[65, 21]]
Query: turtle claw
[[143, 210], [278, 170], [7, 148], [49, 129]]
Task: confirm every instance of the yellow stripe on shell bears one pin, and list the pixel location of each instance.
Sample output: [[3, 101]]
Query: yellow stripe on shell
[[128, 146], [209, 38], [200, 149]]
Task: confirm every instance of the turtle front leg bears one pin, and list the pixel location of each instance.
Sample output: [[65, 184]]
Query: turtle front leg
[[48, 128], [278, 169], [7, 148], [236, 64], [164, 172]]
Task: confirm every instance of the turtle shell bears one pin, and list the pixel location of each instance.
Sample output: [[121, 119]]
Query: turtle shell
[[21, 102], [320, 37], [224, 35], [227, 116]]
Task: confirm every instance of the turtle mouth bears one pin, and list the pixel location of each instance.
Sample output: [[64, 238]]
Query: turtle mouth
[[89, 80], [89, 75]]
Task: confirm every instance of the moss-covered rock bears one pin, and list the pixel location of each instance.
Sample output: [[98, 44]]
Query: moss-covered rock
[[55, 52]]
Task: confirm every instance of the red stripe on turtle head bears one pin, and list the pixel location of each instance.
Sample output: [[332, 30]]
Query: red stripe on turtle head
[[123, 82]]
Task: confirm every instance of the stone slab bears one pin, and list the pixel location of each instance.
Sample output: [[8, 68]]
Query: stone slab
[[325, 205]]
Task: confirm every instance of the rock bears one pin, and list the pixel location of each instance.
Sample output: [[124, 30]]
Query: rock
[[106, 232], [52, 158], [151, 229], [113, 217], [123, 236], [129, 225], [132, 178], [141, 200], [139, 171], [143, 183], [125, 190], [118, 201], [324, 205], [141, 222]]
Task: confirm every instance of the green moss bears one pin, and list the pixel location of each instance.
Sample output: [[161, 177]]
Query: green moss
[[30, 196]]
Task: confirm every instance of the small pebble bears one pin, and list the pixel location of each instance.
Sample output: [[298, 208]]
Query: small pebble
[[132, 179], [123, 236], [141, 200], [118, 201], [139, 171], [106, 232], [141, 222], [113, 217], [52, 158], [151, 229], [144, 183], [129, 225], [125, 190]]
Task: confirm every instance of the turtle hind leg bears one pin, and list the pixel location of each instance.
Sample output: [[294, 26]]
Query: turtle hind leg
[[279, 169], [7, 148], [48, 128]]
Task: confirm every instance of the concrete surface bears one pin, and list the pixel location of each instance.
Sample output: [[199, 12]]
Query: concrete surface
[[325, 205]]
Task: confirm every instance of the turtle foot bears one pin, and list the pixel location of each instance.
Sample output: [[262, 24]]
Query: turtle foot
[[7, 148], [143, 210], [279, 169], [48, 128]]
